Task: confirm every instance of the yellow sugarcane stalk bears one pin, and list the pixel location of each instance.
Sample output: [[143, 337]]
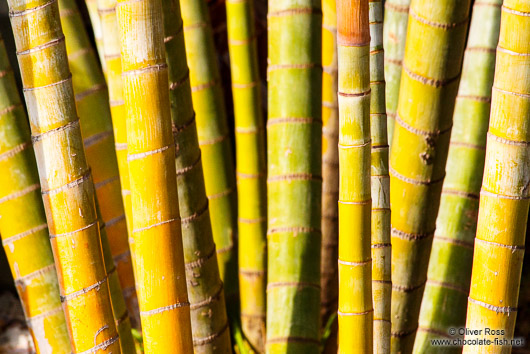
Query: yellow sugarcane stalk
[[96, 127], [380, 185], [156, 231], [429, 83], [251, 169], [66, 182], [355, 261], [23, 222], [330, 163], [95, 20], [505, 196]]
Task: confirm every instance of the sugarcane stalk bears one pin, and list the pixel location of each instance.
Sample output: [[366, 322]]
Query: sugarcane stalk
[[112, 57], [431, 70], [212, 129], [380, 185], [23, 222], [156, 230], [394, 34], [65, 178], [356, 311], [329, 281], [504, 197], [205, 289], [449, 273], [294, 135], [95, 21], [96, 127], [251, 169]]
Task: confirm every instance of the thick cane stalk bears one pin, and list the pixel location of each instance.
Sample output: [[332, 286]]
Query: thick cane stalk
[[112, 57], [380, 185], [23, 223], [65, 178], [394, 35], [431, 70], [96, 127], [445, 298], [251, 169], [355, 261], [205, 288], [95, 21], [156, 230], [504, 198], [214, 141], [294, 176], [329, 281]]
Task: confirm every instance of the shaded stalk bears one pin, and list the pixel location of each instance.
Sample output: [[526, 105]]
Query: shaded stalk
[[294, 136], [394, 34], [212, 129], [449, 273], [23, 222], [156, 228], [65, 177], [431, 71], [251, 169], [504, 197], [205, 288], [329, 281], [95, 20], [356, 311], [96, 127], [380, 185]]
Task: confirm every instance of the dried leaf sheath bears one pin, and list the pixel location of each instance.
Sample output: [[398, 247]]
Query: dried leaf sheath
[[205, 288], [64, 175], [394, 35], [380, 185], [294, 133], [330, 162], [356, 311], [156, 230], [445, 298], [251, 169], [23, 222], [96, 127], [429, 84], [504, 198], [212, 129]]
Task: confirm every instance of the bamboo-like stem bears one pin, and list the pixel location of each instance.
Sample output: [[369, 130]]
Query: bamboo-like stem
[[65, 178], [356, 311], [431, 70], [394, 34], [23, 222], [294, 135], [205, 288], [95, 20], [212, 129], [112, 57], [329, 281], [380, 185], [96, 127], [449, 273], [156, 230], [251, 169], [504, 198]]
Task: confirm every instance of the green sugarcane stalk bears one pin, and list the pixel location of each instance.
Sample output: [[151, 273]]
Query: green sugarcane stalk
[[431, 70], [23, 225], [394, 34], [205, 288], [449, 274], [380, 186], [212, 129], [294, 176], [251, 169]]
